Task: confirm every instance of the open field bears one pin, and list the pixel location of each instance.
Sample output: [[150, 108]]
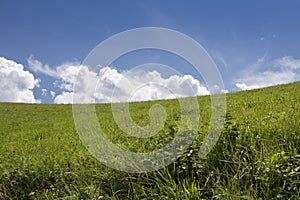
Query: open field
[[256, 157]]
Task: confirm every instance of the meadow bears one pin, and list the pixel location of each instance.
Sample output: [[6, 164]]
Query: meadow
[[256, 157]]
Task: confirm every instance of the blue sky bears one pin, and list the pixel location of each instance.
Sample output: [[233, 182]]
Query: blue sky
[[250, 41]]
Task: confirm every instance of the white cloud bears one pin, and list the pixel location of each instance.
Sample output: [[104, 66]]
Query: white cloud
[[265, 79], [38, 67], [84, 79], [52, 93], [16, 84], [109, 85], [65, 97], [44, 92], [217, 90], [151, 85], [288, 62], [284, 70], [224, 91]]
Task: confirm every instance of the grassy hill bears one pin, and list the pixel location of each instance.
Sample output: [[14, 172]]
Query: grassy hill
[[256, 157]]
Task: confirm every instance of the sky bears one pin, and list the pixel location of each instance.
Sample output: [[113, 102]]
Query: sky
[[43, 45]]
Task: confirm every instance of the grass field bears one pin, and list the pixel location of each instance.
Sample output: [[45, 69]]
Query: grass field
[[256, 157]]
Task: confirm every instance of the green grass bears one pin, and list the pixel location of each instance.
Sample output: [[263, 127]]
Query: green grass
[[256, 157]]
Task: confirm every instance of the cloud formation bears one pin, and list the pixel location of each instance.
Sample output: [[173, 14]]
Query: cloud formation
[[265, 79], [37, 67], [109, 85], [288, 62], [79, 84], [283, 70], [16, 84]]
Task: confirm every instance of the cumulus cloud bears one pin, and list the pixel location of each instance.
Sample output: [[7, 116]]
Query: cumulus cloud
[[16, 84], [84, 79], [283, 70], [79, 84], [82, 85]]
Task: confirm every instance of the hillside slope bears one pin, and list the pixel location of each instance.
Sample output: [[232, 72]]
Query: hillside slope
[[257, 155]]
